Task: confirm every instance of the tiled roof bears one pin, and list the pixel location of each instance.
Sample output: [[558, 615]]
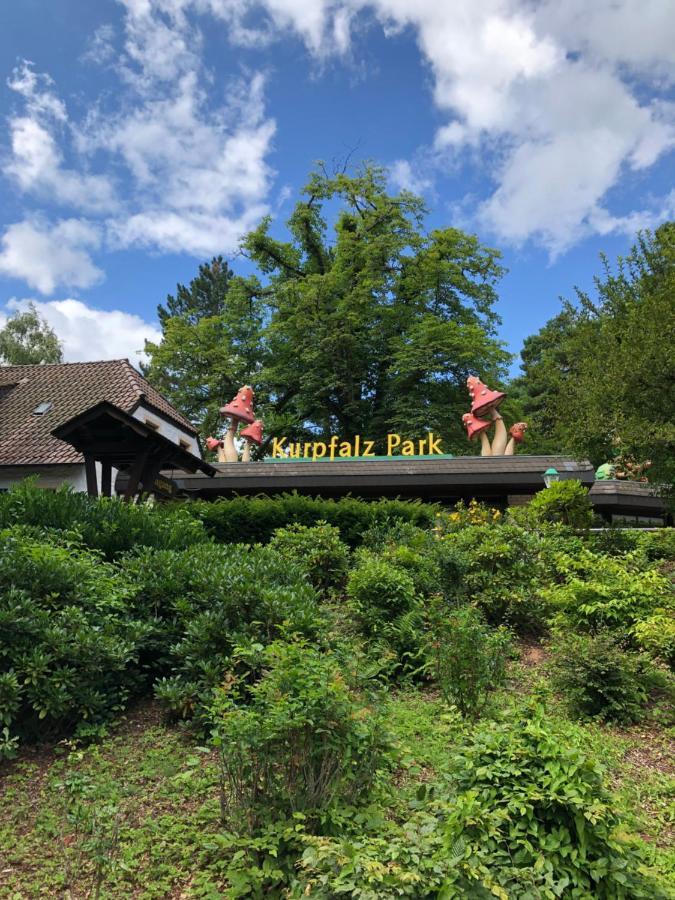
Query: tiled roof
[[71, 388]]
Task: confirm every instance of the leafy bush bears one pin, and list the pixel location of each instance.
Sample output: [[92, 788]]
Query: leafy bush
[[70, 642], [614, 541], [106, 524], [209, 600], [308, 737], [657, 545], [254, 519], [526, 815], [601, 592], [379, 591], [505, 567], [598, 678], [564, 501], [318, 549], [467, 659], [656, 635]]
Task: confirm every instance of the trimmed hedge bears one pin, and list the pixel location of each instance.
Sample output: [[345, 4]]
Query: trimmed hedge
[[253, 520]]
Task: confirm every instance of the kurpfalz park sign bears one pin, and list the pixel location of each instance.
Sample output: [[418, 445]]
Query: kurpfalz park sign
[[359, 448], [402, 466]]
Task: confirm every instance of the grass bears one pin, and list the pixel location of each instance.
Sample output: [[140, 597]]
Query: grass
[[137, 815]]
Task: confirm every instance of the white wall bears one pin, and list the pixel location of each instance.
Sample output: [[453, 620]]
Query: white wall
[[52, 477], [168, 429]]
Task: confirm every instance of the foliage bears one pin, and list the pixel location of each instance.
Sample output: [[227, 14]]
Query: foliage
[[598, 592], [106, 524], [607, 363], [27, 339], [255, 519], [211, 343], [524, 815], [506, 566], [466, 658], [656, 635], [318, 549], [70, 646], [369, 327], [209, 601], [307, 738], [566, 502], [598, 678]]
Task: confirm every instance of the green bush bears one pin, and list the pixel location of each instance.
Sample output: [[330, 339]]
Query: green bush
[[601, 592], [466, 658], [658, 545], [504, 569], [597, 677], [379, 591], [566, 502], [254, 519], [656, 635], [209, 600], [318, 549], [527, 815], [308, 737], [106, 524], [70, 640]]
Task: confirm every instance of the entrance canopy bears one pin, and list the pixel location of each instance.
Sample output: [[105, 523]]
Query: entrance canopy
[[106, 434]]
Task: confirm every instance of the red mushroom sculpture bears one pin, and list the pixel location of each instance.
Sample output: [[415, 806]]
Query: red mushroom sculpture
[[252, 434], [517, 433], [238, 410], [216, 444], [482, 398], [474, 427]]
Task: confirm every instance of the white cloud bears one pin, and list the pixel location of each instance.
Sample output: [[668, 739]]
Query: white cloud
[[408, 178], [46, 255], [36, 162], [87, 333], [548, 97], [542, 90]]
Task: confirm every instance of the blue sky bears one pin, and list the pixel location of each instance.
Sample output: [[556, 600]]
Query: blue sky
[[143, 136]]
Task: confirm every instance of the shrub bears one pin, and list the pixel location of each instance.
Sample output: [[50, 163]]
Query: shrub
[[504, 568], [656, 635], [658, 545], [379, 591], [209, 600], [603, 592], [527, 815], [106, 524], [566, 502], [307, 737], [598, 678], [70, 642], [254, 519], [466, 658], [318, 549]]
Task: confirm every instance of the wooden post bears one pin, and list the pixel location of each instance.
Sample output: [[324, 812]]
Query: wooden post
[[90, 472], [135, 474], [106, 479]]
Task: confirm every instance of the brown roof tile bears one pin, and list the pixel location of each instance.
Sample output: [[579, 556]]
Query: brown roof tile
[[71, 388]]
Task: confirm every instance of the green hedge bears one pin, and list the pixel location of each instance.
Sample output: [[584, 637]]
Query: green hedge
[[251, 520], [106, 524]]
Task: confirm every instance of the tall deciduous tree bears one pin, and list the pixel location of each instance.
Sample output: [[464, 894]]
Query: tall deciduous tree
[[211, 343], [603, 377], [366, 326], [27, 339]]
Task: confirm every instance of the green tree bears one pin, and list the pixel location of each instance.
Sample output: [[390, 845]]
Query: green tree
[[374, 323], [211, 343], [367, 326], [27, 339], [603, 380]]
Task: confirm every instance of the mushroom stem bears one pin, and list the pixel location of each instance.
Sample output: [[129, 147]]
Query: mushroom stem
[[221, 453], [229, 450], [246, 455], [485, 448], [510, 448], [500, 437]]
